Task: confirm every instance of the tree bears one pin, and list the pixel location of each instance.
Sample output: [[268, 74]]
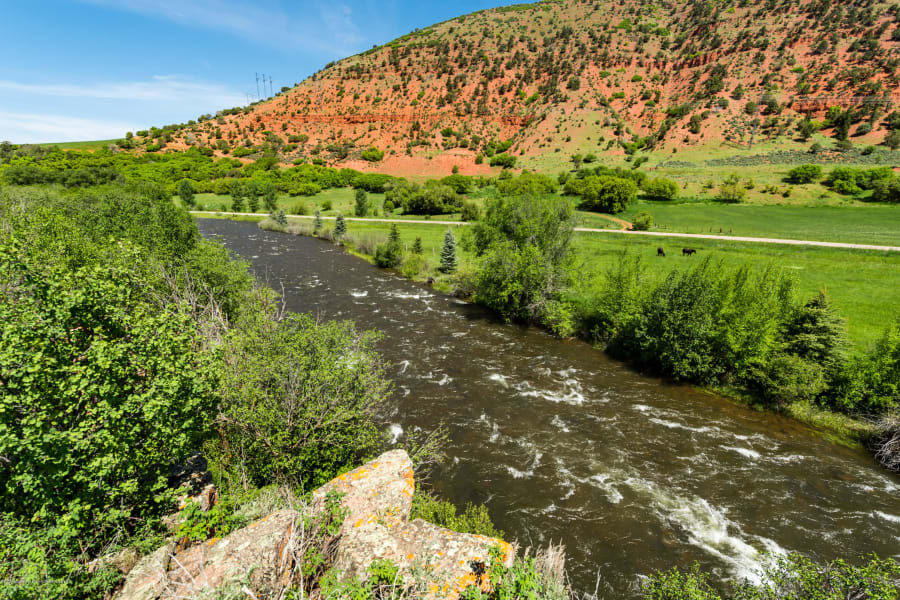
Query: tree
[[389, 255], [317, 222], [373, 154], [523, 253], [817, 334], [892, 140], [281, 218], [643, 221], [340, 227], [394, 235], [270, 196], [417, 246], [253, 203], [608, 194], [362, 203], [732, 190], [237, 197], [806, 128], [448, 253], [186, 192]]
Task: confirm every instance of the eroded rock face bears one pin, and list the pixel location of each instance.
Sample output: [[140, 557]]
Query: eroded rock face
[[377, 498]]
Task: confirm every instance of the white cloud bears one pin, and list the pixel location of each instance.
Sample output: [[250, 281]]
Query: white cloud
[[327, 27], [27, 128], [167, 88]]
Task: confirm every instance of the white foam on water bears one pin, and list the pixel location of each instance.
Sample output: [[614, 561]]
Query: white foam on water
[[558, 423], [571, 393], [708, 528], [403, 366], [641, 408], [746, 452], [517, 474], [887, 517], [459, 334], [675, 425], [501, 379], [603, 482], [396, 431], [359, 294], [445, 380]]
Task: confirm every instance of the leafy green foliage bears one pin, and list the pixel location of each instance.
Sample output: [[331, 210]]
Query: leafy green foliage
[[660, 188], [643, 221], [373, 154], [474, 519], [523, 247], [298, 400], [805, 174], [340, 227], [605, 193], [361, 208]]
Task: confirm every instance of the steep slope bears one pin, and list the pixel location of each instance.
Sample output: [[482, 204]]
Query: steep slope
[[583, 75]]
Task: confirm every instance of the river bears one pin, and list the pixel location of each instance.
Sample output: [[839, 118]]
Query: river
[[630, 473]]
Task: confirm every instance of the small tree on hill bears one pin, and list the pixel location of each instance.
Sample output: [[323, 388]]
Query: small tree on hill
[[892, 140], [281, 218], [448, 253], [186, 192], [340, 227], [362, 203]]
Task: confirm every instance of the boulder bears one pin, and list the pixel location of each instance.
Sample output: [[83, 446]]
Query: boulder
[[259, 558]]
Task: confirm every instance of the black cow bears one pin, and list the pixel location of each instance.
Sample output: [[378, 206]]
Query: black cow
[[660, 252], [688, 251]]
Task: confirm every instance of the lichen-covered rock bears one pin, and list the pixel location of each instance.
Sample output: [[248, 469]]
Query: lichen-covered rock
[[258, 553], [147, 579], [377, 498]]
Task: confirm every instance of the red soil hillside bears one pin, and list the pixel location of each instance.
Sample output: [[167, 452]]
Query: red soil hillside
[[568, 75]]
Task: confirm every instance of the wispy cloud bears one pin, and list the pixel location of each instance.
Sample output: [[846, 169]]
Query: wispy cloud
[[25, 128], [327, 27], [168, 88]]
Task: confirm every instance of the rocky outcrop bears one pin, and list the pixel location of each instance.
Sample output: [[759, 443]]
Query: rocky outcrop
[[376, 500]]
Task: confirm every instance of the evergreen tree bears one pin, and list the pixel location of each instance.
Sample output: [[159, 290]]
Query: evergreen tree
[[448, 253], [281, 218], [186, 192], [394, 237], [362, 203], [417, 246], [317, 222], [340, 227], [816, 333], [253, 203], [892, 140]]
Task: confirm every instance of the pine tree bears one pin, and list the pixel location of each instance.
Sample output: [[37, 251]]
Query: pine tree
[[281, 218], [417, 246], [816, 333], [394, 237], [340, 228], [317, 222], [362, 203], [253, 203], [448, 254], [237, 197]]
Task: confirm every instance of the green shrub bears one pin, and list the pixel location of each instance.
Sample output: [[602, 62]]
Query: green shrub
[[660, 188], [82, 352], [805, 174], [298, 401], [732, 190], [469, 211], [373, 154], [474, 519], [643, 221], [608, 194], [507, 161]]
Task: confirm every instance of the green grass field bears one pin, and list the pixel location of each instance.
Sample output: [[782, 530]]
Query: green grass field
[[865, 224], [864, 285], [91, 145]]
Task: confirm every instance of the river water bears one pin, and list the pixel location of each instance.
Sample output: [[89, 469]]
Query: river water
[[563, 444]]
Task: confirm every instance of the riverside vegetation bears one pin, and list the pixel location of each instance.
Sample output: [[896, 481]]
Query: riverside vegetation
[[115, 311]]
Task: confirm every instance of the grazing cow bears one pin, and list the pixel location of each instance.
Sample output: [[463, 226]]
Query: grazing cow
[[688, 251], [660, 252]]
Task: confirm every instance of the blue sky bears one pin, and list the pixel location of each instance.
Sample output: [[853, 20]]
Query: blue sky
[[94, 69]]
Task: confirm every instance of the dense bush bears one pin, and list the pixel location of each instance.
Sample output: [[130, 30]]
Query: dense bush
[[643, 221], [804, 174], [373, 154], [527, 183], [507, 161], [660, 188], [605, 194], [524, 254], [298, 401]]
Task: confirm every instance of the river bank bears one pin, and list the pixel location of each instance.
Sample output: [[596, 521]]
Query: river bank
[[836, 427]]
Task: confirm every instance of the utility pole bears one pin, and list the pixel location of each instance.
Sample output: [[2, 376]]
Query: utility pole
[[271, 89], [257, 85]]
